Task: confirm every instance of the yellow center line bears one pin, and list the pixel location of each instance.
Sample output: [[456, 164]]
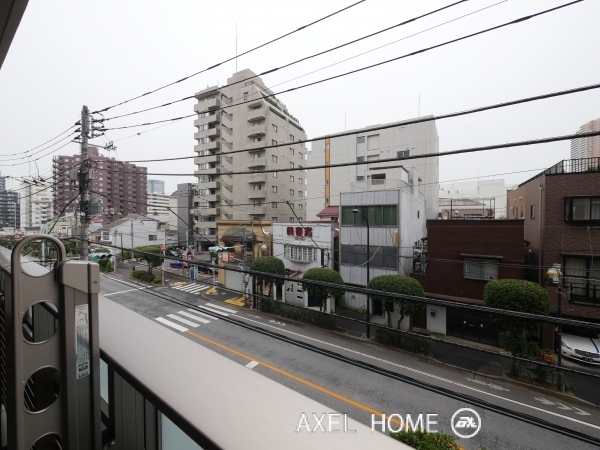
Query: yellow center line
[[295, 377]]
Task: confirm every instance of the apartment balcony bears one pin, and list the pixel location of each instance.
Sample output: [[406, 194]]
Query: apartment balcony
[[258, 210], [257, 178], [258, 130], [207, 104], [211, 132], [214, 211], [257, 194], [205, 224], [208, 171], [213, 158], [210, 119], [256, 162], [209, 184], [255, 115], [255, 146], [210, 146]]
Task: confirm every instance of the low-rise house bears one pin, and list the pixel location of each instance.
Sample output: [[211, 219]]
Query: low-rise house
[[131, 231]]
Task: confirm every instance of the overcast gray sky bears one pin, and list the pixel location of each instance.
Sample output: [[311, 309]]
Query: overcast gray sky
[[69, 53]]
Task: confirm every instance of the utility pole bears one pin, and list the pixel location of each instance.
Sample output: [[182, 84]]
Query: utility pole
[[559, 329], [84, 187], [132, 237]]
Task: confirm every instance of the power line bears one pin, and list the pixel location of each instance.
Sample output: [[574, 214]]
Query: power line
[[230, 59], [44, 143], [29, 161], [516, 21], [266, 72]]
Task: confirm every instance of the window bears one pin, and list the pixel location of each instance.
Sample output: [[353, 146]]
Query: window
[[257, 124], [532, 211], [273, 219], [292, 178], [258, 187], [300, 181], [274, 174], [274, 158], [582, 277], [403, 154], [152, 237], [274, 127], [257, 203], [292, 138], [291, 151], [360, 140], [245, 96], [480, 269], [206, 114], [105, 236], [273, 204], [291, 220], [582, 209], [378, 178], [360, 159], [274, 188], [382, 257], [256, 139], [378, 215], [258, 155], [301, 155], [300, 205], [257, 107], [291, 192], [292, 165], [273, 142], [291, 205], [360, 178], [300, 193]]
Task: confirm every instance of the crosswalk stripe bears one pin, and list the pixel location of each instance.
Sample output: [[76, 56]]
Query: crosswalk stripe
[[197, 289], [199, 319], [187, 322], [232, 311], [202, 314], [187, 287], [171, 324], [214, 311]]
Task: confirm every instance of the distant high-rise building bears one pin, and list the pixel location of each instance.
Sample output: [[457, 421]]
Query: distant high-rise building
[[586, 147], [156, 187], [10, 210], [245, 116], [370, 145], [36, 204], [119, 186]]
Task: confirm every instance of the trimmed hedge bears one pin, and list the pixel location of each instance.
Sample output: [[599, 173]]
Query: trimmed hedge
[[105, 265], [326, 276], [143, 275], [517, 295], [268, 265], [302, 315], [414, 344]]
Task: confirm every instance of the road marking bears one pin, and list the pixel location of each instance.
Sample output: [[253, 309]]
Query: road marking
[[182, 320], [118, 280], [544, 401], [200, 319], [485, 383], [128, 290], [256, 317], [197, 289], [581, 412], [295, 377], [232, 311], [420, 372], [171, 324], [251, 364], [565, 407], [214, 311], [202, 314], [277, 323], [211, 291]]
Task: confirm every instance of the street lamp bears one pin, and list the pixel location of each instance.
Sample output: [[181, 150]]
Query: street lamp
[[354, 211]]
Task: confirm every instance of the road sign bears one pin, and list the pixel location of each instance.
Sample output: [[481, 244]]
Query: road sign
[[163, 248]]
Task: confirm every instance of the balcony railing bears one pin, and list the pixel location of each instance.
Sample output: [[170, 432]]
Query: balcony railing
[[587, 294], [580, 165]]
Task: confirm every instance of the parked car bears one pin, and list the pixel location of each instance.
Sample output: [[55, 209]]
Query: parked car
[[173, 252], [179, 264], [581, 344]]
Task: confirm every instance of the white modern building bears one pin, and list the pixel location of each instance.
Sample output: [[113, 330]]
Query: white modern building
[[158, 205], [472, 198], [243, 115], [369, 146], [302, 248], [132, 231], [586, 147], [396, 222], [36, 204]]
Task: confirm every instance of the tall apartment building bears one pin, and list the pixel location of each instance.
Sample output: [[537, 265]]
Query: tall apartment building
[[117, 188], [587, 147], [10, 209], [156, 186], [368, 145], [36, 204], [240, 117], [158, 205]]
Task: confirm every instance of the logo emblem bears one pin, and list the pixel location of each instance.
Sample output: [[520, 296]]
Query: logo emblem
[[466, 423]]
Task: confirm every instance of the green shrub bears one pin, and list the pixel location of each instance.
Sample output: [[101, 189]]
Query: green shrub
[[105, 265], [143, 275], [398, 284], [101, 249], [414, 344], [268, 265], [326, 276], [302, 315], [157, 281], [421, 440]]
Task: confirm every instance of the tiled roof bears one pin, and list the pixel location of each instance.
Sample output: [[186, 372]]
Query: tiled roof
[[330, 211]]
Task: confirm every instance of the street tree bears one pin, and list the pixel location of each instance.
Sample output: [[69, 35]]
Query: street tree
[[326, 276], [268, 265], [519, 335], [149, 253], [398, 284]]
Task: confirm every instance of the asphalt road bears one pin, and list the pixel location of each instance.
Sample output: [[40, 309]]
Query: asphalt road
[[353, 378]]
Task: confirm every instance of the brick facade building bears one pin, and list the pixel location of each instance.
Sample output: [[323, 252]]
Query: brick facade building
[[561, 211], [116, 190]]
